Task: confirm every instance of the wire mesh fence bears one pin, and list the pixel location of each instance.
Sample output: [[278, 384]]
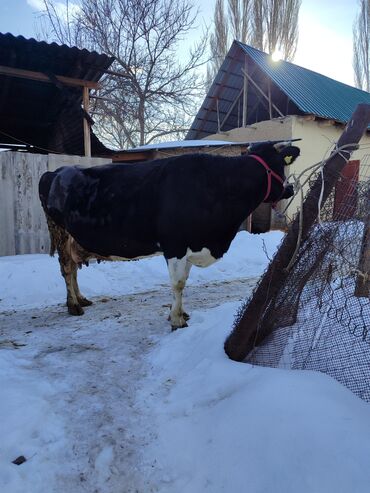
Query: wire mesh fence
[[321, 316]]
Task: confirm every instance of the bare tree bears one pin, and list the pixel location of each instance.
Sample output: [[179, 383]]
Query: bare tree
[[238, 13], [256, 36], [281, 23], [361, 45], [60, 23], [227, 26], [149, 94], [264, 24]]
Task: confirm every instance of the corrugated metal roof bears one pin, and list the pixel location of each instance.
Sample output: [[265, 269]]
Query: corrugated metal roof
[[40, 113], [295, 90], [312, 92], [39, 56]]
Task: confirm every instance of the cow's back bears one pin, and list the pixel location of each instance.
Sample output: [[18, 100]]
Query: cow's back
[[169, 205], [108, 210]]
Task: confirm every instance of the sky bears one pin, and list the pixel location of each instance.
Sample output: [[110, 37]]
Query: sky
[[325, 26]]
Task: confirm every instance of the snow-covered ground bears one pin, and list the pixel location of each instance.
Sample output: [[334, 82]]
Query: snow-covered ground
[[113, 402]]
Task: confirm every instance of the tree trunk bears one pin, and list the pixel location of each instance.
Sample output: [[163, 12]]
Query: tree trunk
[[141, 118]]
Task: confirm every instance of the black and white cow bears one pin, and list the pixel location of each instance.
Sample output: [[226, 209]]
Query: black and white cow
[[189, 208]]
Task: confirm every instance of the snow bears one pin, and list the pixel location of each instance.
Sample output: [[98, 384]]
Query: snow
[[223, 426], [245, 258], [26, 418], [113, 402]]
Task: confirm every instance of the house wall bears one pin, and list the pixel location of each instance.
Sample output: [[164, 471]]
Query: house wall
[[23, 227], [263, 218], [317, 139], [276, 129]]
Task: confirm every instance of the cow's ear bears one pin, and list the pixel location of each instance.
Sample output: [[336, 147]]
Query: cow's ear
[[290, 154], [259, 147]]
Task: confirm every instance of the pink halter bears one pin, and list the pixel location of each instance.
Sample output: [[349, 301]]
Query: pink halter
[[269, 174]]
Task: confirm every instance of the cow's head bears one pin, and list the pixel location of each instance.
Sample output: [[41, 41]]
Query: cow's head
[[277, 156]]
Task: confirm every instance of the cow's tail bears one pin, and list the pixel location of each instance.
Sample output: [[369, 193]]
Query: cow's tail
[[55, 231]]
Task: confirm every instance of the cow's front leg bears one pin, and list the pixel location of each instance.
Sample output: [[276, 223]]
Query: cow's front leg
[[179, 272]]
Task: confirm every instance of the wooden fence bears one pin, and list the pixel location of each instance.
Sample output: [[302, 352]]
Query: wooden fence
[[23, 227]]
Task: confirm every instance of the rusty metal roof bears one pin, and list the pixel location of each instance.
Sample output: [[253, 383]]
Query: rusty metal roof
[[294, 91], [41, 114]]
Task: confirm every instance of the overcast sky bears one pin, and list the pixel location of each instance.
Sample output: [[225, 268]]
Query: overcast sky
[[325, 26]]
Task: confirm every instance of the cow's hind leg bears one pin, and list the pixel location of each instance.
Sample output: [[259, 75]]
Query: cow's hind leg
[[60, 241], [179, 272], [68, 269], [82, 301]]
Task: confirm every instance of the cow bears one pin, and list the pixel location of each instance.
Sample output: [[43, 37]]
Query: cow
[[188, 208]]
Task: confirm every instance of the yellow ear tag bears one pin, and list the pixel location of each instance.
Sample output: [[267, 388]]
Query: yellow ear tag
[[288, 159]]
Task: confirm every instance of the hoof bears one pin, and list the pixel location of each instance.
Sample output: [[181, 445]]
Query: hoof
[[179, 325], [75, 310], [84, 302], [184, 315]]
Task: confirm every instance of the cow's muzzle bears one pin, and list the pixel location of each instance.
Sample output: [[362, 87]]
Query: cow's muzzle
[[288, 191]]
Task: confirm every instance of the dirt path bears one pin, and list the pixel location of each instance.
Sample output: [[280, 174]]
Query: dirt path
[[95, 364]]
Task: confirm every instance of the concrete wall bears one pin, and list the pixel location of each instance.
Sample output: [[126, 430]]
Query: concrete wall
[[318, 138], [23, 227], [264, 218], [276, 129]]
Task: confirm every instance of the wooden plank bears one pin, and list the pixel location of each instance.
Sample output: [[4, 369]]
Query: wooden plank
[[30, 229], [262, 92], [87, 135], [249, 223], [216, 94], [7, 212], [346, 195], [236, 100], [245, 95], [363, 279], [39, 76], [132, 156], [270, 100]]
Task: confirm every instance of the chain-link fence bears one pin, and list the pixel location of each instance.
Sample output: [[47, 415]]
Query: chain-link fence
[[321, 316]]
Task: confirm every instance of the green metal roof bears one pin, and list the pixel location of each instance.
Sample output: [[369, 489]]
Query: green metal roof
[[294, 91], [313, 93]]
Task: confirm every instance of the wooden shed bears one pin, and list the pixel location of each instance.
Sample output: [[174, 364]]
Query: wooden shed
[[44, 96], [44, 124]]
